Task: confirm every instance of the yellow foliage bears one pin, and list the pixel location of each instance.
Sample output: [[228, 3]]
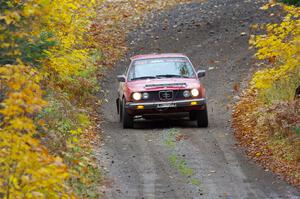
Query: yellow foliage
[[266, 120], [27, 170], [68, 22], [281, 47], [68, 63], [64, 64]]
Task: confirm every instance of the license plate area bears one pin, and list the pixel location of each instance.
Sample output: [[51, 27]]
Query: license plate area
[[166, 105]]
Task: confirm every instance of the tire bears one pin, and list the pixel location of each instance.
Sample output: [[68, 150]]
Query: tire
[[120, 110], [202, 118], [126, 119]]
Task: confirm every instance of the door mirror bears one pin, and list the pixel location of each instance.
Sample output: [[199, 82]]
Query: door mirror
[[201, 73], [121, 78]]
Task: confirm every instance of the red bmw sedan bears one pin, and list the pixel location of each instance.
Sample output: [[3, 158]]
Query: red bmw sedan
[[160, 84]]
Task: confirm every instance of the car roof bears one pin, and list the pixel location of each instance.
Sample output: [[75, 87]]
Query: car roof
[[151, 56]]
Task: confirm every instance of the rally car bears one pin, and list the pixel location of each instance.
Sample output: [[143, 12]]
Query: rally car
[[161, 84]]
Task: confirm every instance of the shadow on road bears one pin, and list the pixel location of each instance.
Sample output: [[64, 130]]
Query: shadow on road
[[163, 124]]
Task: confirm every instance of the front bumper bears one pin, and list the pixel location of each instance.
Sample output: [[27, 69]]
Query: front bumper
[[168, 105]]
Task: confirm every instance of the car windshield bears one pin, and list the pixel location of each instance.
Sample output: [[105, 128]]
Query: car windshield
[[161, 68]]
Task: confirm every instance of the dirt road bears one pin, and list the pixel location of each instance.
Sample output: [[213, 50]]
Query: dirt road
[[174, 159]]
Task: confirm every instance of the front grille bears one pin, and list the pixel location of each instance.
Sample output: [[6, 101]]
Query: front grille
[[154, 96], [165, 95]]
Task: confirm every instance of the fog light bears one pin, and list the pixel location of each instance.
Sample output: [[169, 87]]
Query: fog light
[[140, 107], [186, 94], [194, 103], [145, 95]]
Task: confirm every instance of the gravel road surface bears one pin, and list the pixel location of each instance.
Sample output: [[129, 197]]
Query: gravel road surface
[[202, 163]]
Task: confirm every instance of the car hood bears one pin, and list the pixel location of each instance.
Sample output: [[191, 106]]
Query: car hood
[[164, 83]]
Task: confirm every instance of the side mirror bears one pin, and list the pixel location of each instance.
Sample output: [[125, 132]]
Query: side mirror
[[201, 73], [121, 78]]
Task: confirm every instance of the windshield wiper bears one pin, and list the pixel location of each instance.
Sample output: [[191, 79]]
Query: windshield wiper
[[144, 77], [170, 76]]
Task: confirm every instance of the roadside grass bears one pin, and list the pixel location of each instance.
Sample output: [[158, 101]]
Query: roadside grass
[[269, 135], [282, 90], [69, 133]]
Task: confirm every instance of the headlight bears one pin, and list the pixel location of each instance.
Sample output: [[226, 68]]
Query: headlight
[[195, 92], [186, 94], [137, 96], [145, 95]]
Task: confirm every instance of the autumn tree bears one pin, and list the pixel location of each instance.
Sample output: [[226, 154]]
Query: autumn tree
[[267, 118]]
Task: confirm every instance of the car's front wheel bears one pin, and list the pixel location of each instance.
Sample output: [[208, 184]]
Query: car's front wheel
[[126, 119], [202, 118], [120, 110]]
